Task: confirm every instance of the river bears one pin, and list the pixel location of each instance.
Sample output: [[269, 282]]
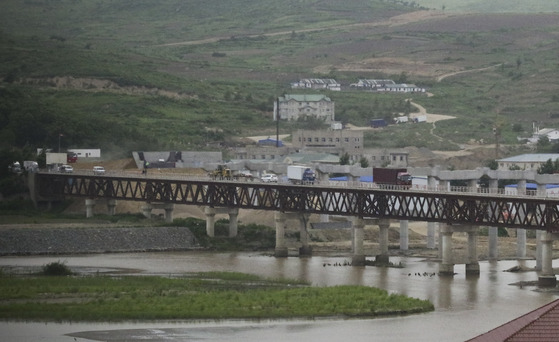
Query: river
[[464, 306]]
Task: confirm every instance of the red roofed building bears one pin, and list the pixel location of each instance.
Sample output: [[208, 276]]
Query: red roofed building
[[540, 325]]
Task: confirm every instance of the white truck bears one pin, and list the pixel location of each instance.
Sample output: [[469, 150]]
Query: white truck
[[298, 174], [56, 158]]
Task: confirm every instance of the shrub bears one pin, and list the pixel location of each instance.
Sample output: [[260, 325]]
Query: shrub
[[56, 269]]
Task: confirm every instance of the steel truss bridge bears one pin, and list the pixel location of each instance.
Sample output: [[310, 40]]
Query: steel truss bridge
[[527, 212]]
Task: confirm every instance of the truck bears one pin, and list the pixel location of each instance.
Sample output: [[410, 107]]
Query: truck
[[298, 174], [391, 176], [71, 157]]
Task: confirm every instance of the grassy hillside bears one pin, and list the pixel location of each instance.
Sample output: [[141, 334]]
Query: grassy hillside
[[493, 6], [148, 75]]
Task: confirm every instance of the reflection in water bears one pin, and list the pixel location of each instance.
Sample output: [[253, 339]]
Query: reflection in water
[[465, 306]]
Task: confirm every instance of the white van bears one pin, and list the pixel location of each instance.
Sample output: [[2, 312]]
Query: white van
[[98, 170]]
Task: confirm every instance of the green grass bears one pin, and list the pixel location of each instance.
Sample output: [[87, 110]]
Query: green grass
[[213, 295]]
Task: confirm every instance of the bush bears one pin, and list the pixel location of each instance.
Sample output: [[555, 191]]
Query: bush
[[56, 269]]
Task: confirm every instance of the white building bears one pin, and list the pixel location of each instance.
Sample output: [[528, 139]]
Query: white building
[[86, 152], [317, 83], [530, 161], [293, 107]]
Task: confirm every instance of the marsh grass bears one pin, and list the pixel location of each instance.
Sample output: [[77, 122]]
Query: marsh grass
[[213, 295]]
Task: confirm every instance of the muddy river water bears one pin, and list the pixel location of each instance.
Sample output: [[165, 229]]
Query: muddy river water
[[464, 306]]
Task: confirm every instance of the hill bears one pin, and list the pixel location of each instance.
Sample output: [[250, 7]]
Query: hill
[[146, 75]]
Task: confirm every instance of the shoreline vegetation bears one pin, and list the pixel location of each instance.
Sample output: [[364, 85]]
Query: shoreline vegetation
[[211, 295]]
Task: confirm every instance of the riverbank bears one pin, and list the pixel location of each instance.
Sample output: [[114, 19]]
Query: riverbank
[[76, 239]]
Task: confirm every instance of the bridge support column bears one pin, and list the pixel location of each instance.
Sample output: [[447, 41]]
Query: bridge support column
[[539, 253], [542, 191], [281, 248], [382, 258], [233, 222], [404, 235], [431, 230], [358, 258], [432, 226], [493, 233], [89, 207], [547, 277], [305, 249], [169, 207], [447, 265], [472, 267], [210, 221], [146, 210], [521, 243], [111, 206]]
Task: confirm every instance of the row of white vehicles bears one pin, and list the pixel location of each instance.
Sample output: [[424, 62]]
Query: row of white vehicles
[[65, 168]]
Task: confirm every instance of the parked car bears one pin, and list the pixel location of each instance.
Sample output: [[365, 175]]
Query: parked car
[[65, 169], [98, 170], [269, 178]]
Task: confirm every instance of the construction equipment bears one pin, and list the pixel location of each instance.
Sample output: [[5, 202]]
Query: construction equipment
[[222, 172]]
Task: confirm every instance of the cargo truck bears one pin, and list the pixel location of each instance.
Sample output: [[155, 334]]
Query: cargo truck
[[391, 176], [298, 174]]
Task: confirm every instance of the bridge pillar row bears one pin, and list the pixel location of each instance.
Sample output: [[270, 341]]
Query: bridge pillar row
[[447, 265], [547, 277], [382, 258], [431, 226], [281, 248], [89, 207], [358, 258]]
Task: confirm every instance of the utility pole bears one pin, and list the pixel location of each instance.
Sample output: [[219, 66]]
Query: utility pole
[[276, 117]]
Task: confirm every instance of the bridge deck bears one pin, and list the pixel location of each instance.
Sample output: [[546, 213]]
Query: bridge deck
[[512, 211]]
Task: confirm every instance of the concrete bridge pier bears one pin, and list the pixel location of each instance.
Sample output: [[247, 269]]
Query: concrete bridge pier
[[305, 249], [111, 206], [89, 207], [281, 248], [383, 258], [472, 267], [493, 233], [547, 277], [168, 207], [358, 258], [404, 235], [431, 230], [447, 265], [521, 233], [233, 220]]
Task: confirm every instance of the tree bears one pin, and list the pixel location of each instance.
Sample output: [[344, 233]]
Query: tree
[[549, 167], [543, 144], [492, 164], [344, 159], [364, 162]]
